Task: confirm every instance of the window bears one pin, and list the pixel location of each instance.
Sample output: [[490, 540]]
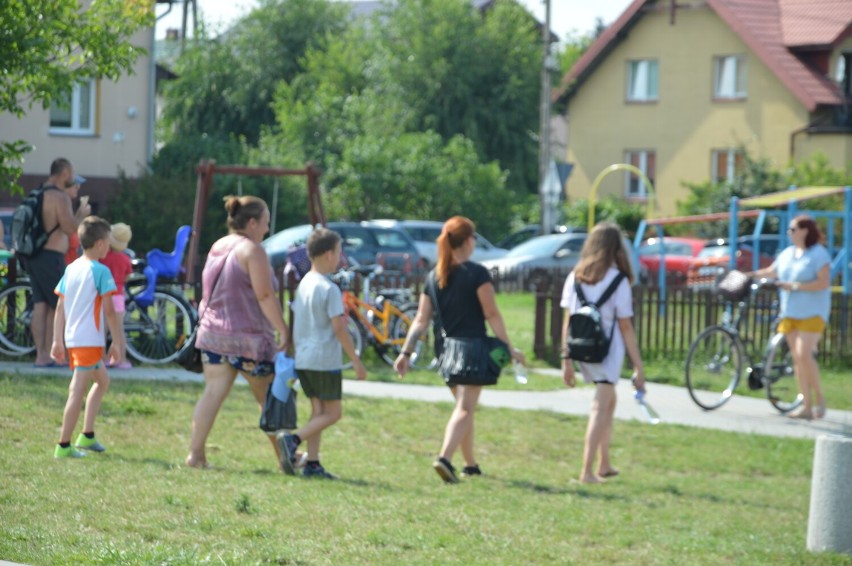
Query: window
[[391, 239], [645, 161], [75, 112], [642, 80], [726, 163], [843, 73], [729, 77]]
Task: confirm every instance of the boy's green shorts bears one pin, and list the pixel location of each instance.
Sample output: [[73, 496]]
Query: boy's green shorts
[[325, 385]]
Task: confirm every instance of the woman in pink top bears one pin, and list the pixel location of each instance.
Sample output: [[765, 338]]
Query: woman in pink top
[[241, 324]]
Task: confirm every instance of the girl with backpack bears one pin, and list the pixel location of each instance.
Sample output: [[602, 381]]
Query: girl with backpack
[[602, 260]]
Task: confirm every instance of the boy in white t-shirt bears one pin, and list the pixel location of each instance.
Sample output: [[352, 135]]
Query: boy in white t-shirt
[[320, 337], [84, 302]]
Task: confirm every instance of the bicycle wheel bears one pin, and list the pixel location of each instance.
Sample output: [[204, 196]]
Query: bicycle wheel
[[779, 376], [16, 311], [713, 367], [155, 334], [357, 335]]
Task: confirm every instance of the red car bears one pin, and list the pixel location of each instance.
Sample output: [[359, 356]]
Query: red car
[[679, 253], [715, 258]]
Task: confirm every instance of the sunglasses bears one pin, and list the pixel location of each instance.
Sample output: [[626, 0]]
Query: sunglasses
[[69, 184]]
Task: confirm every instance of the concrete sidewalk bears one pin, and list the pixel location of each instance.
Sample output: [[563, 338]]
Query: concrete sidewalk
[[740, 414]]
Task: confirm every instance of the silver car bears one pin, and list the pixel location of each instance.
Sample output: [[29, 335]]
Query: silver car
[[549, 257], [425, 232]]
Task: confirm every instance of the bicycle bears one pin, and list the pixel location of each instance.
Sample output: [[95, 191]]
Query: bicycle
[[715, 362], [16, 312], [158, 320], [382, 322]]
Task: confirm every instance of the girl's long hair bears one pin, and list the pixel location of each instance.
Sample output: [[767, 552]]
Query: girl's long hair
[[454, 234], [603, 248]]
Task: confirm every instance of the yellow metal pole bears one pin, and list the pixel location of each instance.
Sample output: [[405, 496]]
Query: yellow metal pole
[[611, 169]]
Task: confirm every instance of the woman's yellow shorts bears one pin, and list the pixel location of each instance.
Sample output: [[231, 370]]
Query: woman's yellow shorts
[[814, 324]]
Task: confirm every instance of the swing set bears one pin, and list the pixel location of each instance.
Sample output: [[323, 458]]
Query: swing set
[[206, 171]]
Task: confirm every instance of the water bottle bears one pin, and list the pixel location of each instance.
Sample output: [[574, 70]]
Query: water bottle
[[520, 372]]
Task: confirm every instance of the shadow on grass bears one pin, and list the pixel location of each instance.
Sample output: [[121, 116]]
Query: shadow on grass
[[580, 490]]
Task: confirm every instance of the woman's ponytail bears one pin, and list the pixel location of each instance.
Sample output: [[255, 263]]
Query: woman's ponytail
[[454, 234]]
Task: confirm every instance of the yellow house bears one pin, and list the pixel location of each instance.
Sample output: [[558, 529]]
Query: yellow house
[[675, 88]]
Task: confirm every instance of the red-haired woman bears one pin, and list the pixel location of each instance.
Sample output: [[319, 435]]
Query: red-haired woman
[[804, 274], [465, 296]]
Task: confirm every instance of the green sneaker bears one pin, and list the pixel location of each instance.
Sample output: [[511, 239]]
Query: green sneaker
[[69, 452], [89, 444]]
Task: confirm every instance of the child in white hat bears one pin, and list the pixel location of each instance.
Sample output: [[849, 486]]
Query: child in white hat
[[119, 265]]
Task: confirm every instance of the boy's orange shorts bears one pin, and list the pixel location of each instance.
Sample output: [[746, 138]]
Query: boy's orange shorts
[[85, 357]]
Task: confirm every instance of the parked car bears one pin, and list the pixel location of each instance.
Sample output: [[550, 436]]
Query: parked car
[[425, 232], [678, 253], [363, 243], [530, 231], [6, 219], [714, 259], [552, 254]]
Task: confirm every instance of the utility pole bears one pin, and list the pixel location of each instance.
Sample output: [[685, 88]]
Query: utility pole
[[547, 219]]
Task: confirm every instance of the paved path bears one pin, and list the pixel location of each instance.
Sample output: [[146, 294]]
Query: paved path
[[740, 414]]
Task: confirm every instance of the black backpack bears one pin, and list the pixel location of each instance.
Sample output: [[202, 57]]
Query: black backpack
[[28, 233], [587, 340]]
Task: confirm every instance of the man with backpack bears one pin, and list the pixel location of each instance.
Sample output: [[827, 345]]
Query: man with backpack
[[42, 243]]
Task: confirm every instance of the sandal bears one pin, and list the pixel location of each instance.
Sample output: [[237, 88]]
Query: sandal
[[819, 411], [802, 414]]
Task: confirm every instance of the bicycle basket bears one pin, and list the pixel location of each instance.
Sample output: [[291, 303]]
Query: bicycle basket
[[734, 286]]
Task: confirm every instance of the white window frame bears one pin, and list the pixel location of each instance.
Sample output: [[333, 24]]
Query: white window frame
[[731, 165], [641, 189], [76, 129], [843, 73], [643, 80], [730, 77]]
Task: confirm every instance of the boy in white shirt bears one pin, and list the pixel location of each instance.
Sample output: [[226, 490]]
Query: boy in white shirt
[[320, 337], [84, 302]]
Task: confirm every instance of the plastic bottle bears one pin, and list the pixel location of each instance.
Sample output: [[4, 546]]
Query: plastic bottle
[[520, 372]]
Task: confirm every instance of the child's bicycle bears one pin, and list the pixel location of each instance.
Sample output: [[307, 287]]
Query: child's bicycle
[[718, 356], [383, 321]]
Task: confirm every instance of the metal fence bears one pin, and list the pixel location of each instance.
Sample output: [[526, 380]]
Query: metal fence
[[666, 324]]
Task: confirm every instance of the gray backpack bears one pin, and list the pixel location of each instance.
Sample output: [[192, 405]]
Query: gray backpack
[[28, 233]]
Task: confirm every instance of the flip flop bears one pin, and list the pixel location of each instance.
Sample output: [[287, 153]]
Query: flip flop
[[50, 365], [609, 474]]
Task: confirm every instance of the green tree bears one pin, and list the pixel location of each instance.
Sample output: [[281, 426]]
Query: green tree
[[225, 86], [47, 46], [464, 73], [758, 176], [626, 215]]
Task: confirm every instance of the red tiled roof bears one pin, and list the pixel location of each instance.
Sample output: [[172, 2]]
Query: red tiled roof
[[815, 22], [759, 24]]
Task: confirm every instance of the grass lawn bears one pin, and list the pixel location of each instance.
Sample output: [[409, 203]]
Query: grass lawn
[[685, 496]]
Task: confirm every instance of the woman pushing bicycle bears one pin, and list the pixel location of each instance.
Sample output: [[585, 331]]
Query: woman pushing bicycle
[[803, 271]]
